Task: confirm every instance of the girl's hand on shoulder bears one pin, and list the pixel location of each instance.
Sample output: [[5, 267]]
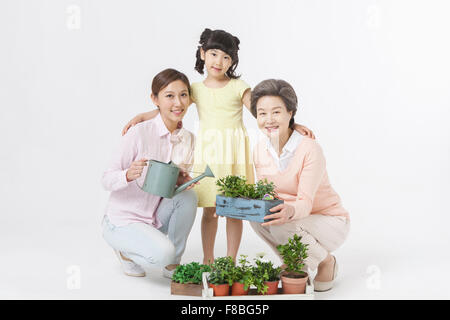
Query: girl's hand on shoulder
[[304, 131], [139, 118], [135, 170], [285, 214], [131, 123]]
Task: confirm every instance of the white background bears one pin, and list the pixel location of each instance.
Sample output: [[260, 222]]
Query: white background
[[373, 78]]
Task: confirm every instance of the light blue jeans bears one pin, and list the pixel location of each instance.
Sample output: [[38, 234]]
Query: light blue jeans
[[148, 246]]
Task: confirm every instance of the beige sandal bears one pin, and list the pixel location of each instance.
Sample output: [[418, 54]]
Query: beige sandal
[[321, 286]]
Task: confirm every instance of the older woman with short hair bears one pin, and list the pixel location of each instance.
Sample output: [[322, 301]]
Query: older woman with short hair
[[296, 165]]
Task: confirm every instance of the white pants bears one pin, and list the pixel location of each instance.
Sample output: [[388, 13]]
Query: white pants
[[322, 233], [148, 246]]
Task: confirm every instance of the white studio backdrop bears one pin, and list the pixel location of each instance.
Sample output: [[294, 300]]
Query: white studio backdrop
[[373, 79]]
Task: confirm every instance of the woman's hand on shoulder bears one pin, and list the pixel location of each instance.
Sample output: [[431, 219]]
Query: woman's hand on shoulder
[[139, 118], [304, 131], [285, 214]]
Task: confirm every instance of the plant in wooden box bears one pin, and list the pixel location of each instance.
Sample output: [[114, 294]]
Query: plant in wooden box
[[220, 278], [241, 200], [187, 279], [265, 276], [294, 253], [242, 277]]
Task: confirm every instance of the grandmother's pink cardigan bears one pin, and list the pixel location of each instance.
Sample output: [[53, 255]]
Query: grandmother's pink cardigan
[[304, 184]]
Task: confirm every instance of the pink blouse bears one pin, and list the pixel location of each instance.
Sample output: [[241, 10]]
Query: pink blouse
[[147, 140]]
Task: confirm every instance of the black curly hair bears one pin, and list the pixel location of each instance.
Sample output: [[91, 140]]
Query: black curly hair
[[222, 40]]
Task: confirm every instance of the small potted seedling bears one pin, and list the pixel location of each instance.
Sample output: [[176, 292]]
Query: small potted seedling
[[242, 277], [220, 277], [294, 253], [187, 279], [246, 201], [265, 276]]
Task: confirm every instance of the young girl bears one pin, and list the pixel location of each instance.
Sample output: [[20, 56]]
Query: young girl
[[222, 141]]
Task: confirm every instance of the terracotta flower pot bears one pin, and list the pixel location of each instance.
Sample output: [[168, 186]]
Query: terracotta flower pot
[[237, 289], [220, 289], [273, 287], [293, 283]]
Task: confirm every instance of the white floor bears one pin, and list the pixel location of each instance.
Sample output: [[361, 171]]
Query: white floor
[[71, 261]]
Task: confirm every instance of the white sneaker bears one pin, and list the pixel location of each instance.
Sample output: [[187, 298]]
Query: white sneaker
[[129, 267], [168, 273]]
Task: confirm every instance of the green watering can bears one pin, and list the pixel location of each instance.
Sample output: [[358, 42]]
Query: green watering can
[[162, 177]]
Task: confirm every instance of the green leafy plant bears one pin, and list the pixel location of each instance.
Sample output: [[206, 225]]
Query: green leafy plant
[[243, 272], [264, 271], [294, 253], [263, 187], [190, 273], [222, 271], [237, 186], [231, 186]]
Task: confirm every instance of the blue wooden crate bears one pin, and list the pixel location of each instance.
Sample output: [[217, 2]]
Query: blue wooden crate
[[244, 209]]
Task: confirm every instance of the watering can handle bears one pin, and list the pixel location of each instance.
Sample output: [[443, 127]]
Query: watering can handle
[[149, 165]]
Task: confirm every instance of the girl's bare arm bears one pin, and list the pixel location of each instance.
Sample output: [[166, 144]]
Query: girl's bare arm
[[139, 118]]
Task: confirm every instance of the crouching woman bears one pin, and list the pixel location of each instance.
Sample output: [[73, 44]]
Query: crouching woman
[[143, 229], [296, 165]]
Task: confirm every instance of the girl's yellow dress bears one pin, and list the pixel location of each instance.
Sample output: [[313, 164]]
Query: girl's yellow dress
[[222, 141]]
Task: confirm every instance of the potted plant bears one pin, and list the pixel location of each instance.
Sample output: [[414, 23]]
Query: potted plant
[[294, 253], [265, 276], [187, 279], [242, 277], [220, 278], [241, 200]]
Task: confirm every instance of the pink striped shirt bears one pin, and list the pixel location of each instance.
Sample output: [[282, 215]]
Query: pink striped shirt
[[147, 140]]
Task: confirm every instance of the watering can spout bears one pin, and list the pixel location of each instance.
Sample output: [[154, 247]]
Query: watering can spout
[[207, 173]]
